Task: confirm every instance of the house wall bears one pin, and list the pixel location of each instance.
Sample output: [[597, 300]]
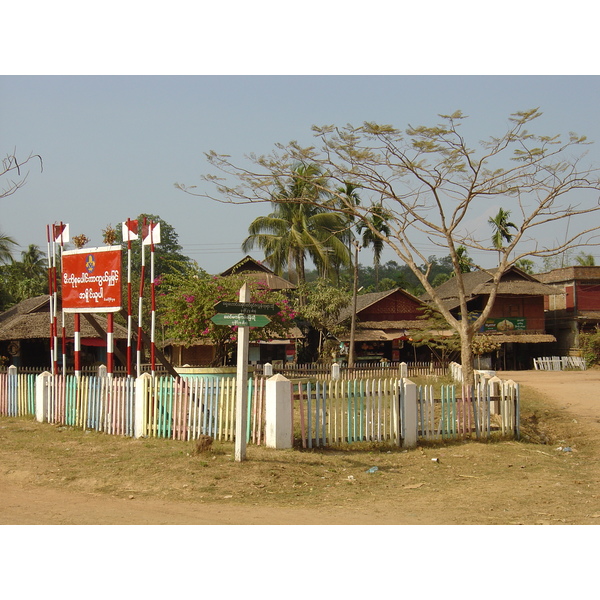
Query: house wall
[[587, 296], [194, 355], [395, 307], [531, 308]]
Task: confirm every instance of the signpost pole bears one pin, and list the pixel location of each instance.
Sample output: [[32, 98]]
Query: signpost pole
[[152, 305], [77, 343], [141, 298], [110, 344], [241, 412]]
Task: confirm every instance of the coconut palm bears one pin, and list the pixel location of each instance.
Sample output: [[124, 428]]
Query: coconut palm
[[33, 263], [501, 225], [346, 196], [378, 221], [585, 260], [6, 246], [526, 265], [298, 227]]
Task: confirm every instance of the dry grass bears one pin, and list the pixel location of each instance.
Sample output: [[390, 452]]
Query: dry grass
[[529, 481]]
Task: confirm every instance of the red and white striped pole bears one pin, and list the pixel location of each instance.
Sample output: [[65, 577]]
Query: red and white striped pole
[[153, 304], [77, 343], [62, 312], [129, 227], [54, 306], [140, 301], [51, 299], [110, 344]]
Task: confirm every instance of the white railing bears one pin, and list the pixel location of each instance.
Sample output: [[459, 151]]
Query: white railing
[[559, 363]]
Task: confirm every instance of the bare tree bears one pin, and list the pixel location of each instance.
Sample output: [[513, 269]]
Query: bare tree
[[14, 173], [433, 184]]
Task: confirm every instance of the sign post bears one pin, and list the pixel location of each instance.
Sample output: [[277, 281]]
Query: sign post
[[241, 406], [241, 320]]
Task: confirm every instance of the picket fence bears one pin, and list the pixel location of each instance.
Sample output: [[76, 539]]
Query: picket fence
[[17, 393], [349, 411], [325, 413], [362, 370], [559, 363], [491, 407]]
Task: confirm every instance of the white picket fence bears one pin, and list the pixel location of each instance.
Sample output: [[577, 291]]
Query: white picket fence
[[559, 363]]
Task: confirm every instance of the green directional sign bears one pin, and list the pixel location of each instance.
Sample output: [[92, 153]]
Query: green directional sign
[[246, 308], [241, 320]]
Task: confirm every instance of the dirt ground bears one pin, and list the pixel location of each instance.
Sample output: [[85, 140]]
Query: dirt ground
[[551, 480]]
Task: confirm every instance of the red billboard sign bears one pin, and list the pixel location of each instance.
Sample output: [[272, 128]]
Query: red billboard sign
[[91, 280]]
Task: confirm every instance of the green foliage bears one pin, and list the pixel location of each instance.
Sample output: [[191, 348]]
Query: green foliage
[[526, 265], [501, 226], [321, 305], [590, 346], [445, 343], [585, 260], [23, 279], [185, 303], [299, 227]]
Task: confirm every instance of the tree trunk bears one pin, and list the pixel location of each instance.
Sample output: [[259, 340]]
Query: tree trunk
[[466, 356]]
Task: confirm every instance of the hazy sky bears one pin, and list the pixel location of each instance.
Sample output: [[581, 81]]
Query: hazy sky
[[113, 146]]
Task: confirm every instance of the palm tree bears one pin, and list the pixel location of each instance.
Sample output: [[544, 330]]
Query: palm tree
[[299, 227], [585, 260], [525, 264], [378, 222], [33, 262], [501, 226], [6, 245], [465, 262], [347, 196]]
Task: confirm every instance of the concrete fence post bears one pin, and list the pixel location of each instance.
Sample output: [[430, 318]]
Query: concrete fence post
[[410, 415], [495, 390], [335, 371], [278, 430], [403, 370], [268, 370], [141, 386], [42, 393]]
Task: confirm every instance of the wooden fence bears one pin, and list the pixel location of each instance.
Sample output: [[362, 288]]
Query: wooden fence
[[347, 411], [559, 363], [491, 408], [385, 370], [326, 413], [186, 408], [17, 393], [104, 404]]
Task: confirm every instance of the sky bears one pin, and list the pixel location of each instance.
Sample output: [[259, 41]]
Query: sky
[[114, 146]]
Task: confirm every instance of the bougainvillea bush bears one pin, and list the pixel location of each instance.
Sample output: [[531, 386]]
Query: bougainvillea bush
[[186, 304]]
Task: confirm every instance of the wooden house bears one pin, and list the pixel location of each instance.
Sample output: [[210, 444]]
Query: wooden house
[[574, 307], [517, 320], [384, 323]]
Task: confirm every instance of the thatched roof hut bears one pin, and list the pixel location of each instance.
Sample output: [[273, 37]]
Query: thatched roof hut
[[514, 282], [30, 319], [254, 271]]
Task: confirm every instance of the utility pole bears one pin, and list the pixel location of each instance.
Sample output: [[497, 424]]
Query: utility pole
[[354, 295]]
